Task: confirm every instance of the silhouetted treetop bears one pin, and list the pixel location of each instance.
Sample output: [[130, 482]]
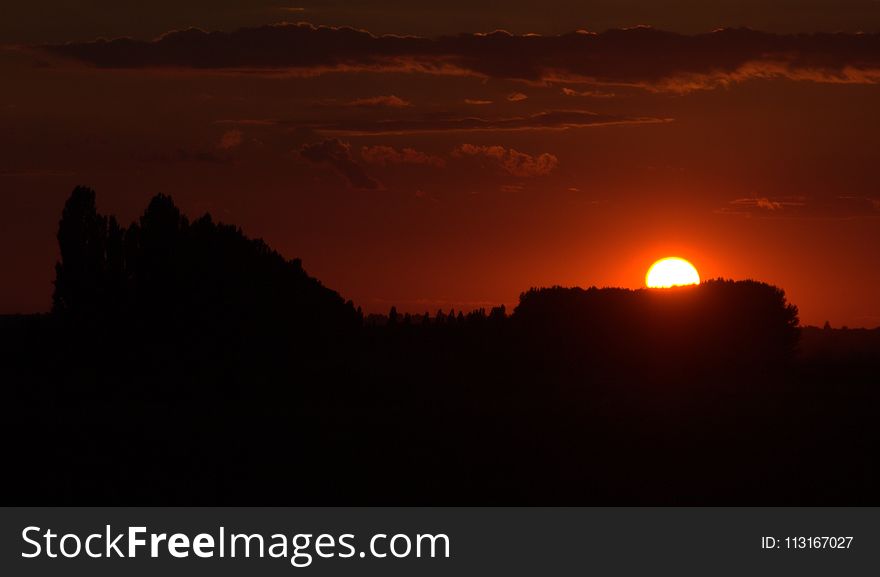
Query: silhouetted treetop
[[83, 237], [166, 269], [737, 321]]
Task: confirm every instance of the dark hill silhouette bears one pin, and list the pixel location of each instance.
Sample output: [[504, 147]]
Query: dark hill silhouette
[[164, 268], [183, 362]]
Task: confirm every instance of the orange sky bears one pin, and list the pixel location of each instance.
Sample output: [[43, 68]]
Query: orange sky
[[463, 189]]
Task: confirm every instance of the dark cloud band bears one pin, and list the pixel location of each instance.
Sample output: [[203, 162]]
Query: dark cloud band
[[635, 56]]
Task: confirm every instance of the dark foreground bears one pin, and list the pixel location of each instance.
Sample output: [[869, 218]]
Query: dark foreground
[[411, 422], [186, 364]]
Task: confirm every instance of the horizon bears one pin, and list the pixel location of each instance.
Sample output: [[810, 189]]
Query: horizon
[[444, 306], [481, 308]]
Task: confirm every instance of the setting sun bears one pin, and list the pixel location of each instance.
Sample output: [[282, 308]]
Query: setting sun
[[671, 271]]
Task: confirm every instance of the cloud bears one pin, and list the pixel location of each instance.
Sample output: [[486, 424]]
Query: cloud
[[765, 203], [230, 139], [763, 206], [389, 101], [640, 56], [337, 154], [817, 206], [589, 93], [387, 155], [477, 102], [510, 160], [517, 97], [549, 120]]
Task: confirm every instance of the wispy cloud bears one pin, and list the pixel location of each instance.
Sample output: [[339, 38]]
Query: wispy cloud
[[388, 155], [510, 160], [587, 93], [816, 206], [765, 203], [337, 154], [385, 101], [549, 120]]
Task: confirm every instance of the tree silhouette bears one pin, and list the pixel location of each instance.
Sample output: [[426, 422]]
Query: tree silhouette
[[197, 286], [82, 274]]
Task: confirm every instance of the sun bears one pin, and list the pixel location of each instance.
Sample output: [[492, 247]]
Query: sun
[[671, 271]]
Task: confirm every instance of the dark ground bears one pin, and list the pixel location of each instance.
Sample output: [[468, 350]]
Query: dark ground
[[415, 423]]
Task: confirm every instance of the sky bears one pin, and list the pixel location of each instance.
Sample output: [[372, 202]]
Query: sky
[[454, 155]]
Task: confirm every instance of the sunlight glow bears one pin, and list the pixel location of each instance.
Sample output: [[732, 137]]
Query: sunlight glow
[[671, 271]]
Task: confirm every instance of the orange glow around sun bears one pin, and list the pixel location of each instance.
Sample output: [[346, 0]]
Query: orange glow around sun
[[671, 271]]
